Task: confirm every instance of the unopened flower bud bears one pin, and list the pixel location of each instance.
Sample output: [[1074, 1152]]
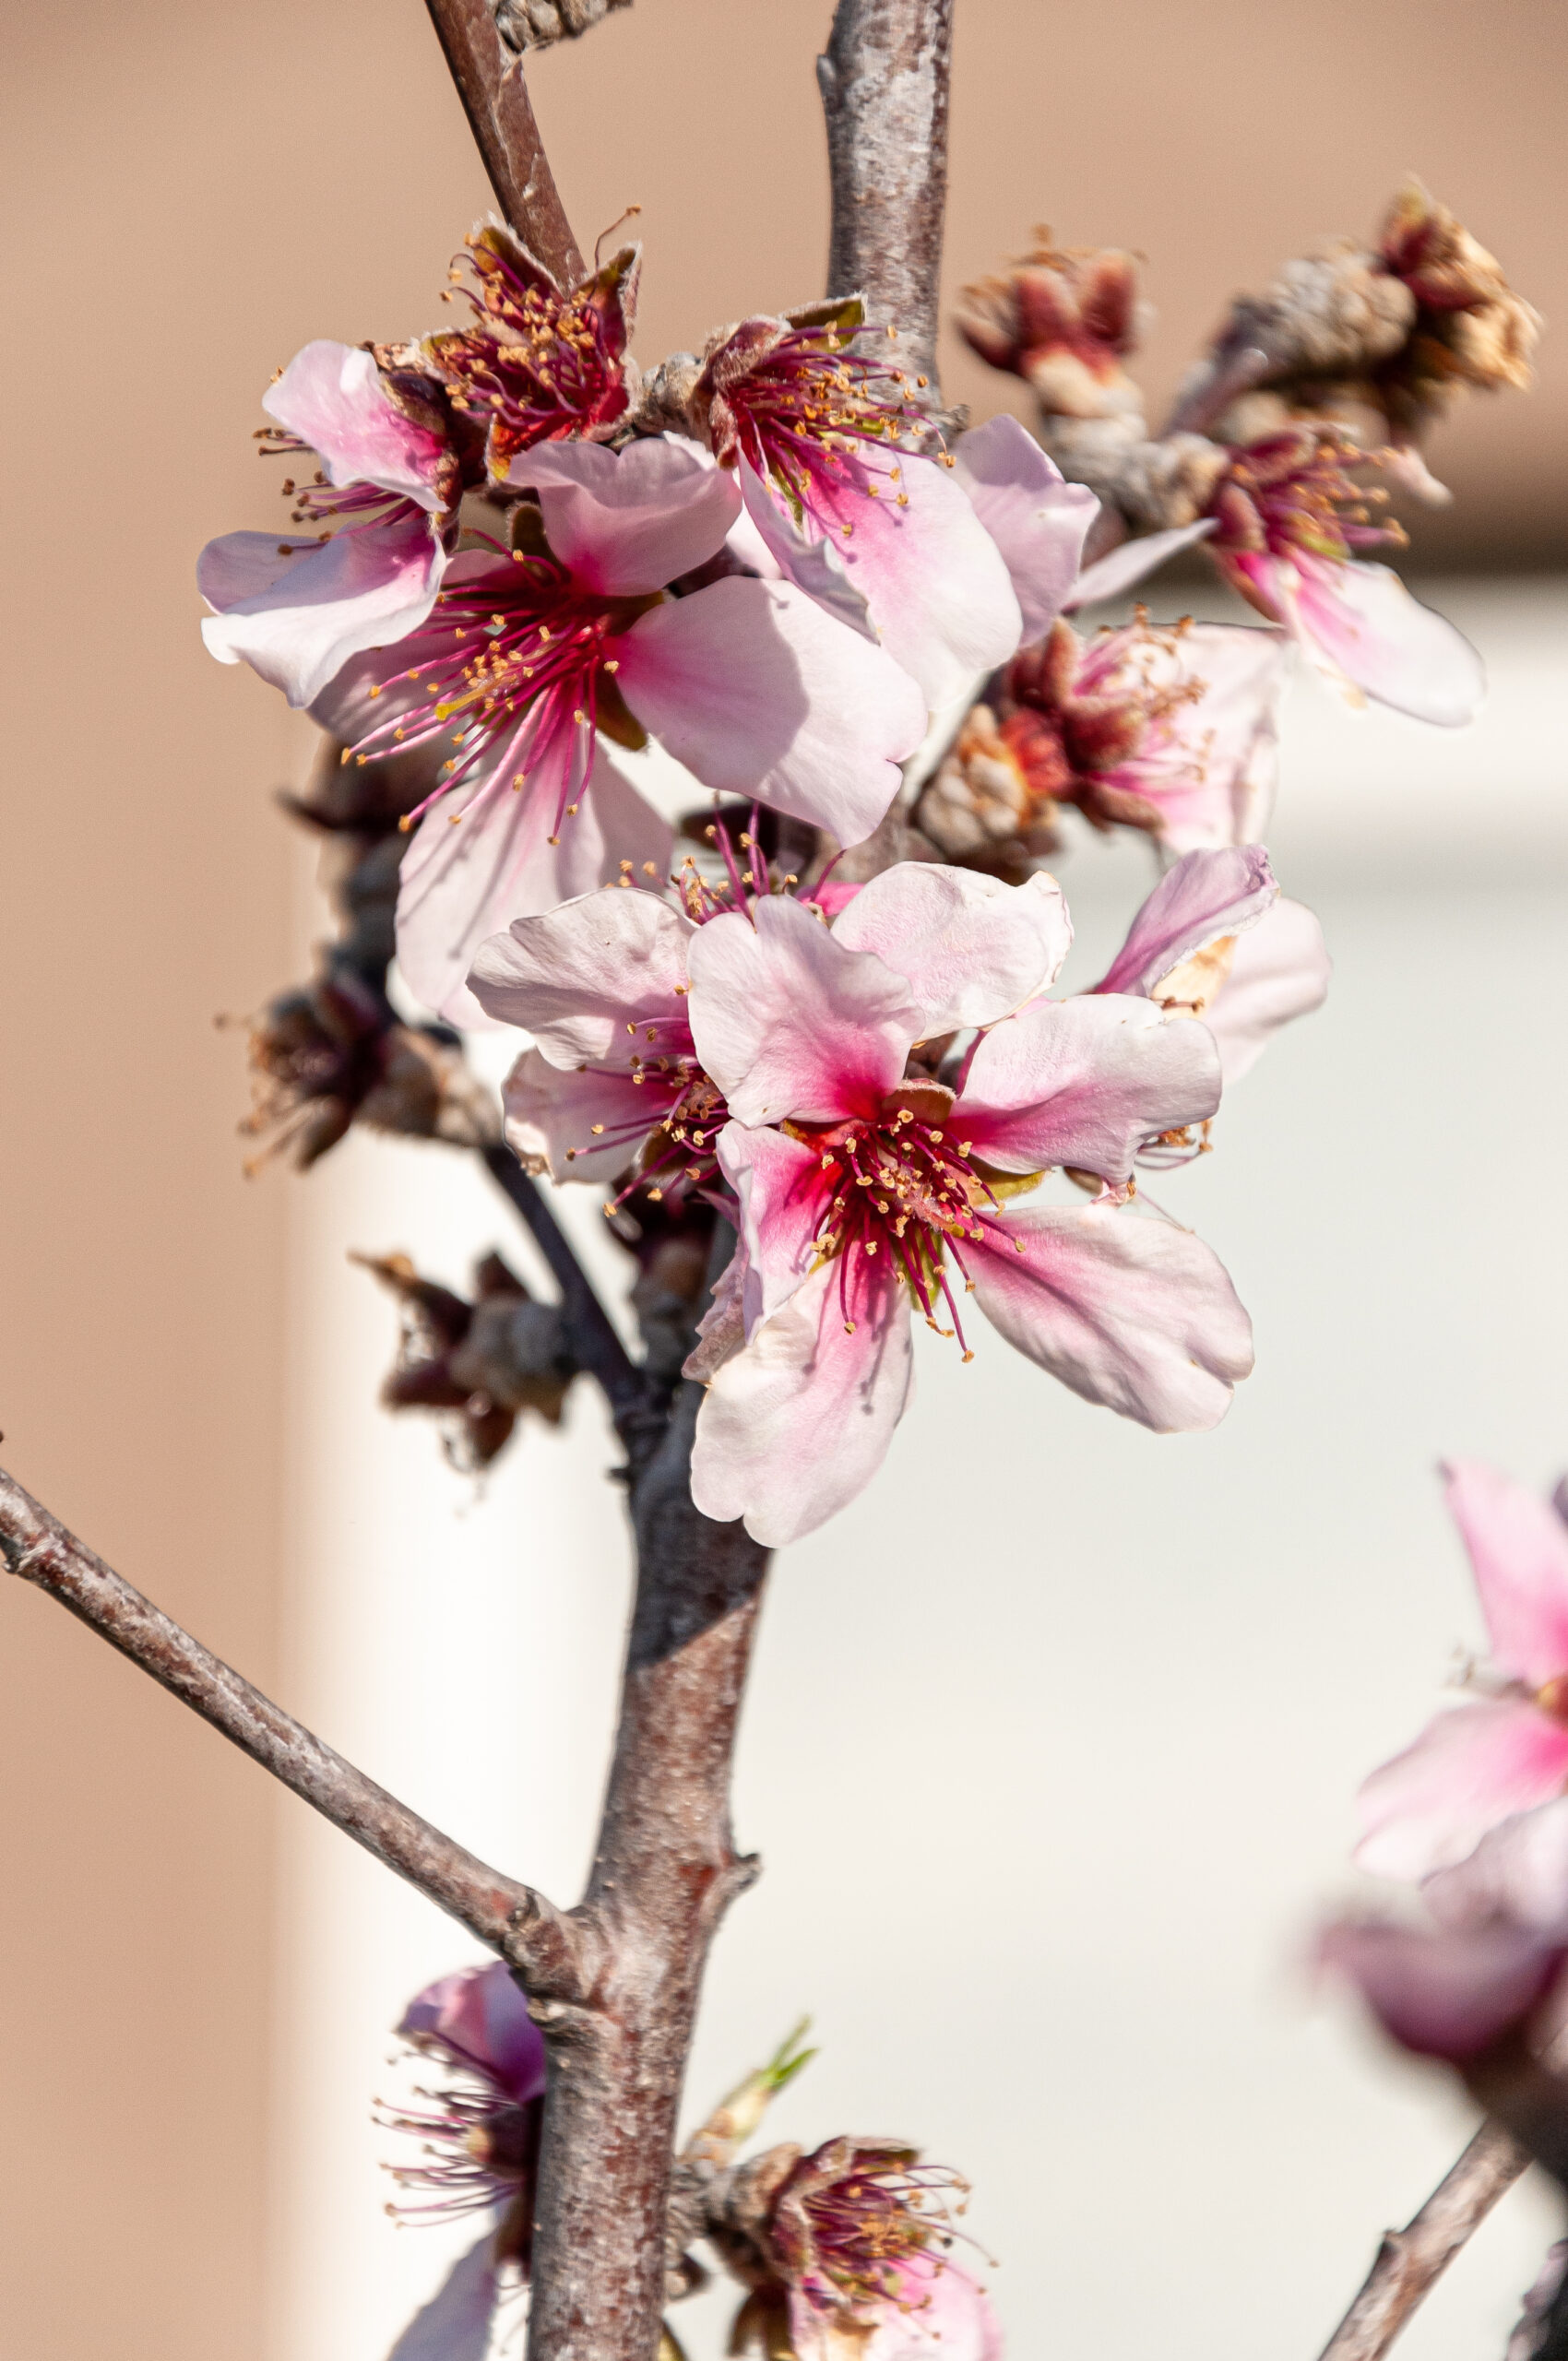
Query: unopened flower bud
[[978, 808], [1065, 320]]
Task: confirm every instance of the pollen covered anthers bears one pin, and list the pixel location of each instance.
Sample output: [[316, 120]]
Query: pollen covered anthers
[[538, 361], [1293, 491], [858, 2213], [807, 398], [516, 672], [904, 1188]]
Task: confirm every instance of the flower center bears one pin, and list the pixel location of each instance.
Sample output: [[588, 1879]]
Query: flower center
[[869, 2228], [1553, 1698], [1290, 492], [808, 409], [534, 364], [520, 666], [902, 1187]]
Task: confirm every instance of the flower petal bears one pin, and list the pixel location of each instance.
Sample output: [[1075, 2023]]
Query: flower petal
[[1360, 624], [1446, 1995], [550, 1117], [1280, 970], [1469, 1769], [1205, 895], [297, 618], [972, 948], [1037, 519], [789, 1022], [1518, 1872], [461, 885], [629, 521], [479, 2016], [455, 2325], [1083, 1083], [580, 977], [759, 692], [778, 1183], [1518, 1548], [795, 1426], [1129, 561], [814, 566], [331, 395], [1212, 764], [1134, 1313]]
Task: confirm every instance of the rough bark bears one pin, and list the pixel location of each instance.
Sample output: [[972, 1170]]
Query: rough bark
[[1411, 2261], [665, 1871], [495, 97], [884, 79], [521, 1925]]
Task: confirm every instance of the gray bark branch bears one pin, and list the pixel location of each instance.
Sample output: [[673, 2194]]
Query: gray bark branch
[[884, 79], [512, 1919], [1412, 2261], [490, 82]]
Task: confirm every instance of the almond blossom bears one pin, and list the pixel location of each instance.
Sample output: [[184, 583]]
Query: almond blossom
[[848, 2248], [297, 609], [531, 653], [866, 1185], [1478, 1766], [538, 362], [1170, 730], [1288, 522], [480, 2138], [945, 560]]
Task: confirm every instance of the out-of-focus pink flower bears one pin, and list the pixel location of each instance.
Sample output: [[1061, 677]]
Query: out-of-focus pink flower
[[297, 609], [1217, 940], [1288, 521], [525, 658], [864, 1186], [813, 416], [538, 361], [1448, 1993], [480, 2148], [1478, 1766]]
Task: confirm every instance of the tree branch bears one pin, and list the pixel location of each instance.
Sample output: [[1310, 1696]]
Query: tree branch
[[591, 1333], [1412, 2261], [495, 97], [883, 81], [528, 1931]]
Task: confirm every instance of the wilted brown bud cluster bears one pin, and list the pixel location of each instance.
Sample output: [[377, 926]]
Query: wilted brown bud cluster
[[488, 1359]]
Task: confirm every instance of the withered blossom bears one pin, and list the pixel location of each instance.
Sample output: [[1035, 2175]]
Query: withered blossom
[[488, 1359], [333, 1052]]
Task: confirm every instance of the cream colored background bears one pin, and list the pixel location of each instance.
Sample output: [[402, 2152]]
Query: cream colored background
[[1100, 1703]]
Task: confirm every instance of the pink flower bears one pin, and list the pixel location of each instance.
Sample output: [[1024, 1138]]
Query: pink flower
[[747, 682], [1443, 1993], [1216, 939], [1174, 729], [480, 2140], [1478, 1766], [813, 417], [1289, 519], [296, 610], [865, 1186], [852, 2258], [539, 363]]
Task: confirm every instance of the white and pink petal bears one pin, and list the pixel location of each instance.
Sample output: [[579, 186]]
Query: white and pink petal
[[627, 522], [1470, 1768], [1518, 1550], [601, 976], [972, 948], [1037, 519], [296, 611], [1083, 1083], [331, 397]]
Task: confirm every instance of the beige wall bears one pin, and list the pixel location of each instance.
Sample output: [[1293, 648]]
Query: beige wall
[[192, 194]]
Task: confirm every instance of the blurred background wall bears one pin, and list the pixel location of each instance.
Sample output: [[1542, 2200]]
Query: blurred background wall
[[1128, 1747]]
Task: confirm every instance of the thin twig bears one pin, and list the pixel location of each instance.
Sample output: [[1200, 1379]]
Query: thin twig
[[512, 1919], [591, 1333], [495, 97], [1411, 2261]]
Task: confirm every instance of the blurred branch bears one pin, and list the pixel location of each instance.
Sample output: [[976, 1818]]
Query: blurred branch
[[1412, 2261], [528, 1931], [495, 97], [884, 81]]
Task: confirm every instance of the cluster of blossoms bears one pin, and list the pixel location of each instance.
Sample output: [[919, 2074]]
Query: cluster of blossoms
[[1265, 457], [845, 2254]]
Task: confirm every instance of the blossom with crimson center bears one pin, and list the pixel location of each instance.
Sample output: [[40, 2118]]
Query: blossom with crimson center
[[1287, 522], [529, 656]]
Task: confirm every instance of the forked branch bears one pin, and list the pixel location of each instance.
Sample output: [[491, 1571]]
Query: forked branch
[[528, 1931]]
